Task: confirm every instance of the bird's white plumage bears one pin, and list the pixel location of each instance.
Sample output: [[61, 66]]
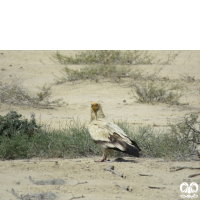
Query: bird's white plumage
[[100, 130], [108, 134]]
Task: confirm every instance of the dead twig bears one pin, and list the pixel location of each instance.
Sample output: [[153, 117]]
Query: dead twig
[[145, 175], [153, 187], [15, 194], [193, 175], [173, 169], [187, 78], [76, 197], [192, 128], [111, 169], [124, 187], [81, 183]]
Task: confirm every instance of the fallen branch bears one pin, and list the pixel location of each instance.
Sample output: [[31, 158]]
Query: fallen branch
[[173, 169], [15, 194], [187, 78], [81, 183], [111, 169], [152, 187], [124, 187], [196, 131], [145, 175], [193, 175], [76, 197]]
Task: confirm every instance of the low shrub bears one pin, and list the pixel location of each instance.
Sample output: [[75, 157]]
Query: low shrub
[[13, 124], [106, 57], [95, 73], [14, 93], [154, 92]]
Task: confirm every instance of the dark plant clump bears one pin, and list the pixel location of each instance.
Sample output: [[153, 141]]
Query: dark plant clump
[[12, 123]]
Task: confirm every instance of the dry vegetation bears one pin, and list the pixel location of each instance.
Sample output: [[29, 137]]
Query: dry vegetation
[[112, 66], [20, 138], [107, 57], [154, 92], [16, 94]]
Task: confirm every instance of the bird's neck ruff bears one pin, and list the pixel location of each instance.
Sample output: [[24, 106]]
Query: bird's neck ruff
[[98, 114]]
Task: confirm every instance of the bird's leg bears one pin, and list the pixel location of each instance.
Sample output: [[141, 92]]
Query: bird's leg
[[103, 159]]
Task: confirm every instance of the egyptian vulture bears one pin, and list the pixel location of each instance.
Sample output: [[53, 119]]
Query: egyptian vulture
[[108, 135]]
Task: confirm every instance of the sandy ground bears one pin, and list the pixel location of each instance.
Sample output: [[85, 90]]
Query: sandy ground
[[83, 177]]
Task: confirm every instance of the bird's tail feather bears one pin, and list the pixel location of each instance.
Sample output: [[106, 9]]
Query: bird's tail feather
[[130, 150], [135, 144], [121, 145]]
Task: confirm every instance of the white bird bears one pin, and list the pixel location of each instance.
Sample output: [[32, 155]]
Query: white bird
[[109, 135]]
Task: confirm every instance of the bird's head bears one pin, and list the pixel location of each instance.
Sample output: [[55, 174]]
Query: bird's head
[[95, 106], [96, 111]]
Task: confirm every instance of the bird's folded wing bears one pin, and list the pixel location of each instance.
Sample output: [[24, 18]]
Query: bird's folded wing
[[108, 135]]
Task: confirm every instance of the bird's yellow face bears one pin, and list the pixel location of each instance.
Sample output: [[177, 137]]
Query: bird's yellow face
[[94, 106]]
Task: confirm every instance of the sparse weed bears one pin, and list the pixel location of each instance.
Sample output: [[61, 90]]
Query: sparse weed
[[177, 143], [16, 94], [107, 57], [186, 130], [170, 58], [141, 75], [105, 64], [154, 92], [45, 92], [188, 79], [115, 57], [95, 73]]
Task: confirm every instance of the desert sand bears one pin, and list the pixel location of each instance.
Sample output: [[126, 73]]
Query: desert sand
[[145, 178]]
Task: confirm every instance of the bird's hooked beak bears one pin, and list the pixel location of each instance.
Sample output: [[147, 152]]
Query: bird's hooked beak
[[94, 106]]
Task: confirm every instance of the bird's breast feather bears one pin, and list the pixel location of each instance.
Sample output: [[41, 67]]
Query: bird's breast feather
[[102, 129]]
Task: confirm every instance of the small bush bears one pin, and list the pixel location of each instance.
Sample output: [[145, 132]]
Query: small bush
[[95, 73], [186, 130], [14, 93], [107, 57], [178, 143], [152, 92], [73, 141], [45, 92], [12, 123], [140, 75]]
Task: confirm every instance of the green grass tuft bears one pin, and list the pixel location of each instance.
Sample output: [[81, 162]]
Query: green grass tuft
[[75, 141]]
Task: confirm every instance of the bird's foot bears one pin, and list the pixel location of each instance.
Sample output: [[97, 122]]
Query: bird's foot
[[103, 159]]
